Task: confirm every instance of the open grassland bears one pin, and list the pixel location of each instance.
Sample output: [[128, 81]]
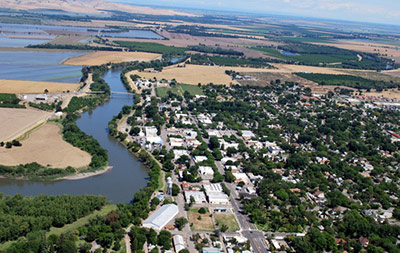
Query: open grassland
[[103, 57], [81, 222], [14, 122], [20, 86], [190, 74], [204, 224], [227, 220], [45, 146]]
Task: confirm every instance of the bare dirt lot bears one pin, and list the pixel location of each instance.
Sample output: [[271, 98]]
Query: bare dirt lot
[[15, 122], [102, 57], [32, 87], [46, 147], [190, 74]]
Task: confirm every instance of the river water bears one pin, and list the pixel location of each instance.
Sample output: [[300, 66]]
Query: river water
[[128, 174]]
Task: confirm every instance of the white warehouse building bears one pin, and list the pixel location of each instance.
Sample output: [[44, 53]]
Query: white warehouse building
[[161, 217]]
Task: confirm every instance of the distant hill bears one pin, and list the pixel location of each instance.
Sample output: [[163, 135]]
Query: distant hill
[[85, 6]]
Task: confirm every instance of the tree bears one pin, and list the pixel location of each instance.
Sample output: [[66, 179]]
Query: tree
[[214, 143], [165, 239], [152, 237], [202, 210], [175, 190], [229, 177], [180, 222]]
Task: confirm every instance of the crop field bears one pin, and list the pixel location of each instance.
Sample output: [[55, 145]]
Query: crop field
[[150, 47], [190, 74], [103, 57], [46, 147], [15, 122], [227, 220], [33, 87], [204, 224]]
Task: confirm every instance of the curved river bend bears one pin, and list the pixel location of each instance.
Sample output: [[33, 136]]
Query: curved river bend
[[118, 185]]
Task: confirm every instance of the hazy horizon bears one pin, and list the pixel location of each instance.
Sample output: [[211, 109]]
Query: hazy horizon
[[371, 11]]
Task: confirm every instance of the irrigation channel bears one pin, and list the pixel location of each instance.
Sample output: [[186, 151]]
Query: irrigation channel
[[118, 185]]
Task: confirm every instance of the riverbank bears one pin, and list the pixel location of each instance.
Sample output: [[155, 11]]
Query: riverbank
[[86, 174]]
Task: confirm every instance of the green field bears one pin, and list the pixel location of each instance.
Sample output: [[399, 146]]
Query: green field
[[82, 221], [162, 92], [346, 80], [228, 220], [192, 89], [10, 100], [151, 47]]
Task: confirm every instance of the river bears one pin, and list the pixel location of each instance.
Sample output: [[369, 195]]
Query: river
[[118, 185]]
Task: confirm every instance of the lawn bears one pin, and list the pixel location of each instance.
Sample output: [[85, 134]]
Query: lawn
[[192, 89], [162, 92], [228, 220], [82, 221], [205, 224]]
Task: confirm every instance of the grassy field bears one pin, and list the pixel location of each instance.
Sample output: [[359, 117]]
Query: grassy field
[[19, 86], [205, 224], [103, 57], [228, 220], [46, 147], [192, 89], [162, 92], [82, 221]]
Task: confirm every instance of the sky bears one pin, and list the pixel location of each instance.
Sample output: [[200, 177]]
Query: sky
[[373, 11]]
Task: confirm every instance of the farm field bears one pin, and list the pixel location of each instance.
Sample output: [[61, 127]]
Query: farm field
[[33, 87], [45, 146], [204, 224], [15, 122], [227, 220], [102, 57], [190, 74]]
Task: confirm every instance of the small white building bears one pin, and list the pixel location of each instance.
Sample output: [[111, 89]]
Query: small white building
[[247, 135], [198, 159], [151, 131], [217, 198], [179, 243], [241, 177], [206, 172], [199, 197], [161, 217]]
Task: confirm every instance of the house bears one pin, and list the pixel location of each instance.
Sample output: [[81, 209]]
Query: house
[[176, 142], [247, 135], [363, 241], [180, 152], [185, 186], [241, 177], [198, 159], [199, 197], [206, 172]]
